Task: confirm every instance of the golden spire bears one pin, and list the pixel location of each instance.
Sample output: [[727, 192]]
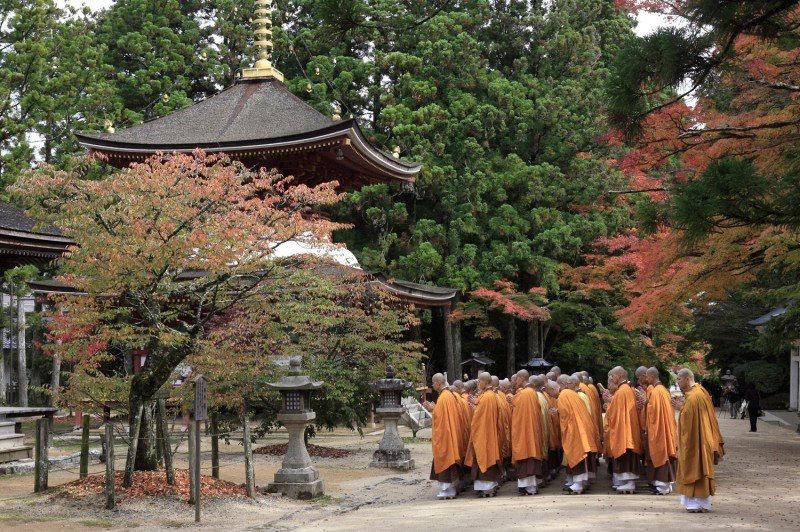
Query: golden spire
[[263, 38]]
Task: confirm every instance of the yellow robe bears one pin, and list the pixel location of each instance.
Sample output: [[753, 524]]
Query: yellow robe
[[696, 446]]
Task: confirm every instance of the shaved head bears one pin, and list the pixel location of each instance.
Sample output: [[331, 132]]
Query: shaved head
[[471, 385], [641, 375], [551, 376], [552, 388], [563, 381], [685, 379], [538, 381], [557, 371], [458, 386], [484, 380], [505, 385], [524, 375], [619, 374], [584, 376], [653, 377], [438, 382]]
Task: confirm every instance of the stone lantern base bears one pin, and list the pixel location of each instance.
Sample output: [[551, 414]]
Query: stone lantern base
[[394, 460], [297, 483]]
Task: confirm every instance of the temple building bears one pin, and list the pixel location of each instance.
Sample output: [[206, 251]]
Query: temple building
[[259, 122]]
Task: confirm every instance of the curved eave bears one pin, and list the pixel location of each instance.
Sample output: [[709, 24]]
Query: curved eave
[[344, 134]]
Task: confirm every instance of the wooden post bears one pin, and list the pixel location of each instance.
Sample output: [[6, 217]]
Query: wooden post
[[41, 465], [198, 484], [22, 360], [84, 469], [164, 442], [452, 371], [134, 436], [249, 475], [109, 457], [214, 445], [191, 461], [456, 328]]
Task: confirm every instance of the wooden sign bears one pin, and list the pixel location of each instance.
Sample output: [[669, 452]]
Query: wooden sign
[[200, 408]]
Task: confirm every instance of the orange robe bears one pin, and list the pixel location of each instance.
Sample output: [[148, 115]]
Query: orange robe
[[597, 406], [484, 446], [661, 428], [696, 446], [554, 433], [596, 409], [719, 442], [447, 432], [623, 423], [577, 429], [504, 424], [526, 423]]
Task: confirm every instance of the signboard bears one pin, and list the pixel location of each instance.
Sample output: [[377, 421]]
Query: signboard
[[200, 409]]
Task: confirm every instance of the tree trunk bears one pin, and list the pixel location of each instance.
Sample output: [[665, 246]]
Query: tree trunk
[[456, 328], [22, 361], [511, 359], [55, 380], [533, 339], [146, 451]]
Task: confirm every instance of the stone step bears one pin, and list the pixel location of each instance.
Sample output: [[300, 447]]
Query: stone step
[[18, 453], [7, 427], [10, 441]]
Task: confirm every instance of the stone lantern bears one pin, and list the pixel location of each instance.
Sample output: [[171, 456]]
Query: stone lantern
[[296, 478], [391, 451]]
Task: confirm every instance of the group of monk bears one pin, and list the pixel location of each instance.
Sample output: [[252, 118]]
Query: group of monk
[[528, 428]]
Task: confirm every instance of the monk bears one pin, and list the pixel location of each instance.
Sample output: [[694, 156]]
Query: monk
[[594, 397], [625, 434], [447, 438], [503, 426], [661, 431], [577, 436], [551, 376], [537, 383], [719, 442], [483, 453], [527, 453], [554, 453], [556, 371], [696, 447]]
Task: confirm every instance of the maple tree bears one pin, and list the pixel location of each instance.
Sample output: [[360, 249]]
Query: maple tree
[[345, 327], [166, 246]]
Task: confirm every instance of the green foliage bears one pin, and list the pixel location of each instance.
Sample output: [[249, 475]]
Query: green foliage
[[767, 377]]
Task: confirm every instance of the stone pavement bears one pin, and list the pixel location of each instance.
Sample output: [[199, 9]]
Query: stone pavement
[[756, 490]]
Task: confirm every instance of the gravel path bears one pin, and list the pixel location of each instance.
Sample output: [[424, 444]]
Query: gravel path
[[756, 491]]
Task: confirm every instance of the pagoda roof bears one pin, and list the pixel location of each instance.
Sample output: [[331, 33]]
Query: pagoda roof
[[23, 240], [254, 117]]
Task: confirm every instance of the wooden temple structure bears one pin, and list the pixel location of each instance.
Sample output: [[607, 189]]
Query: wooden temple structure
[[259, 122]]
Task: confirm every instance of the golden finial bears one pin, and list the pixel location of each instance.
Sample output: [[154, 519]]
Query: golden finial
[[337, 112], [263, 39], [108, 125], [396, 152]]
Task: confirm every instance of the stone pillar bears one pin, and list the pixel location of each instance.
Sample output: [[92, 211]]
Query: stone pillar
[[391, 452]]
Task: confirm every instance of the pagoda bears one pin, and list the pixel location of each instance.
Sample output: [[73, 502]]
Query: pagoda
[[259, 122]]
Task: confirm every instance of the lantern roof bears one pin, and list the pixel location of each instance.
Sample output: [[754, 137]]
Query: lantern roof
[[294, 380]]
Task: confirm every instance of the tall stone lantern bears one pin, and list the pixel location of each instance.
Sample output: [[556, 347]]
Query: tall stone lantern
[[296, 478], [391, 451]]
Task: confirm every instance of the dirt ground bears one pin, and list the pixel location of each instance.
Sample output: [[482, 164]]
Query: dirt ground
[[756, 491]]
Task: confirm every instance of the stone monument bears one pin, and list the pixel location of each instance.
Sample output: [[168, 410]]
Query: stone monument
[[296, 478], [391, 451]]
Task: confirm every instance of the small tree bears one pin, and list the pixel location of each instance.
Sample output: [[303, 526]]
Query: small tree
[[346, 329], [166, 246]]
